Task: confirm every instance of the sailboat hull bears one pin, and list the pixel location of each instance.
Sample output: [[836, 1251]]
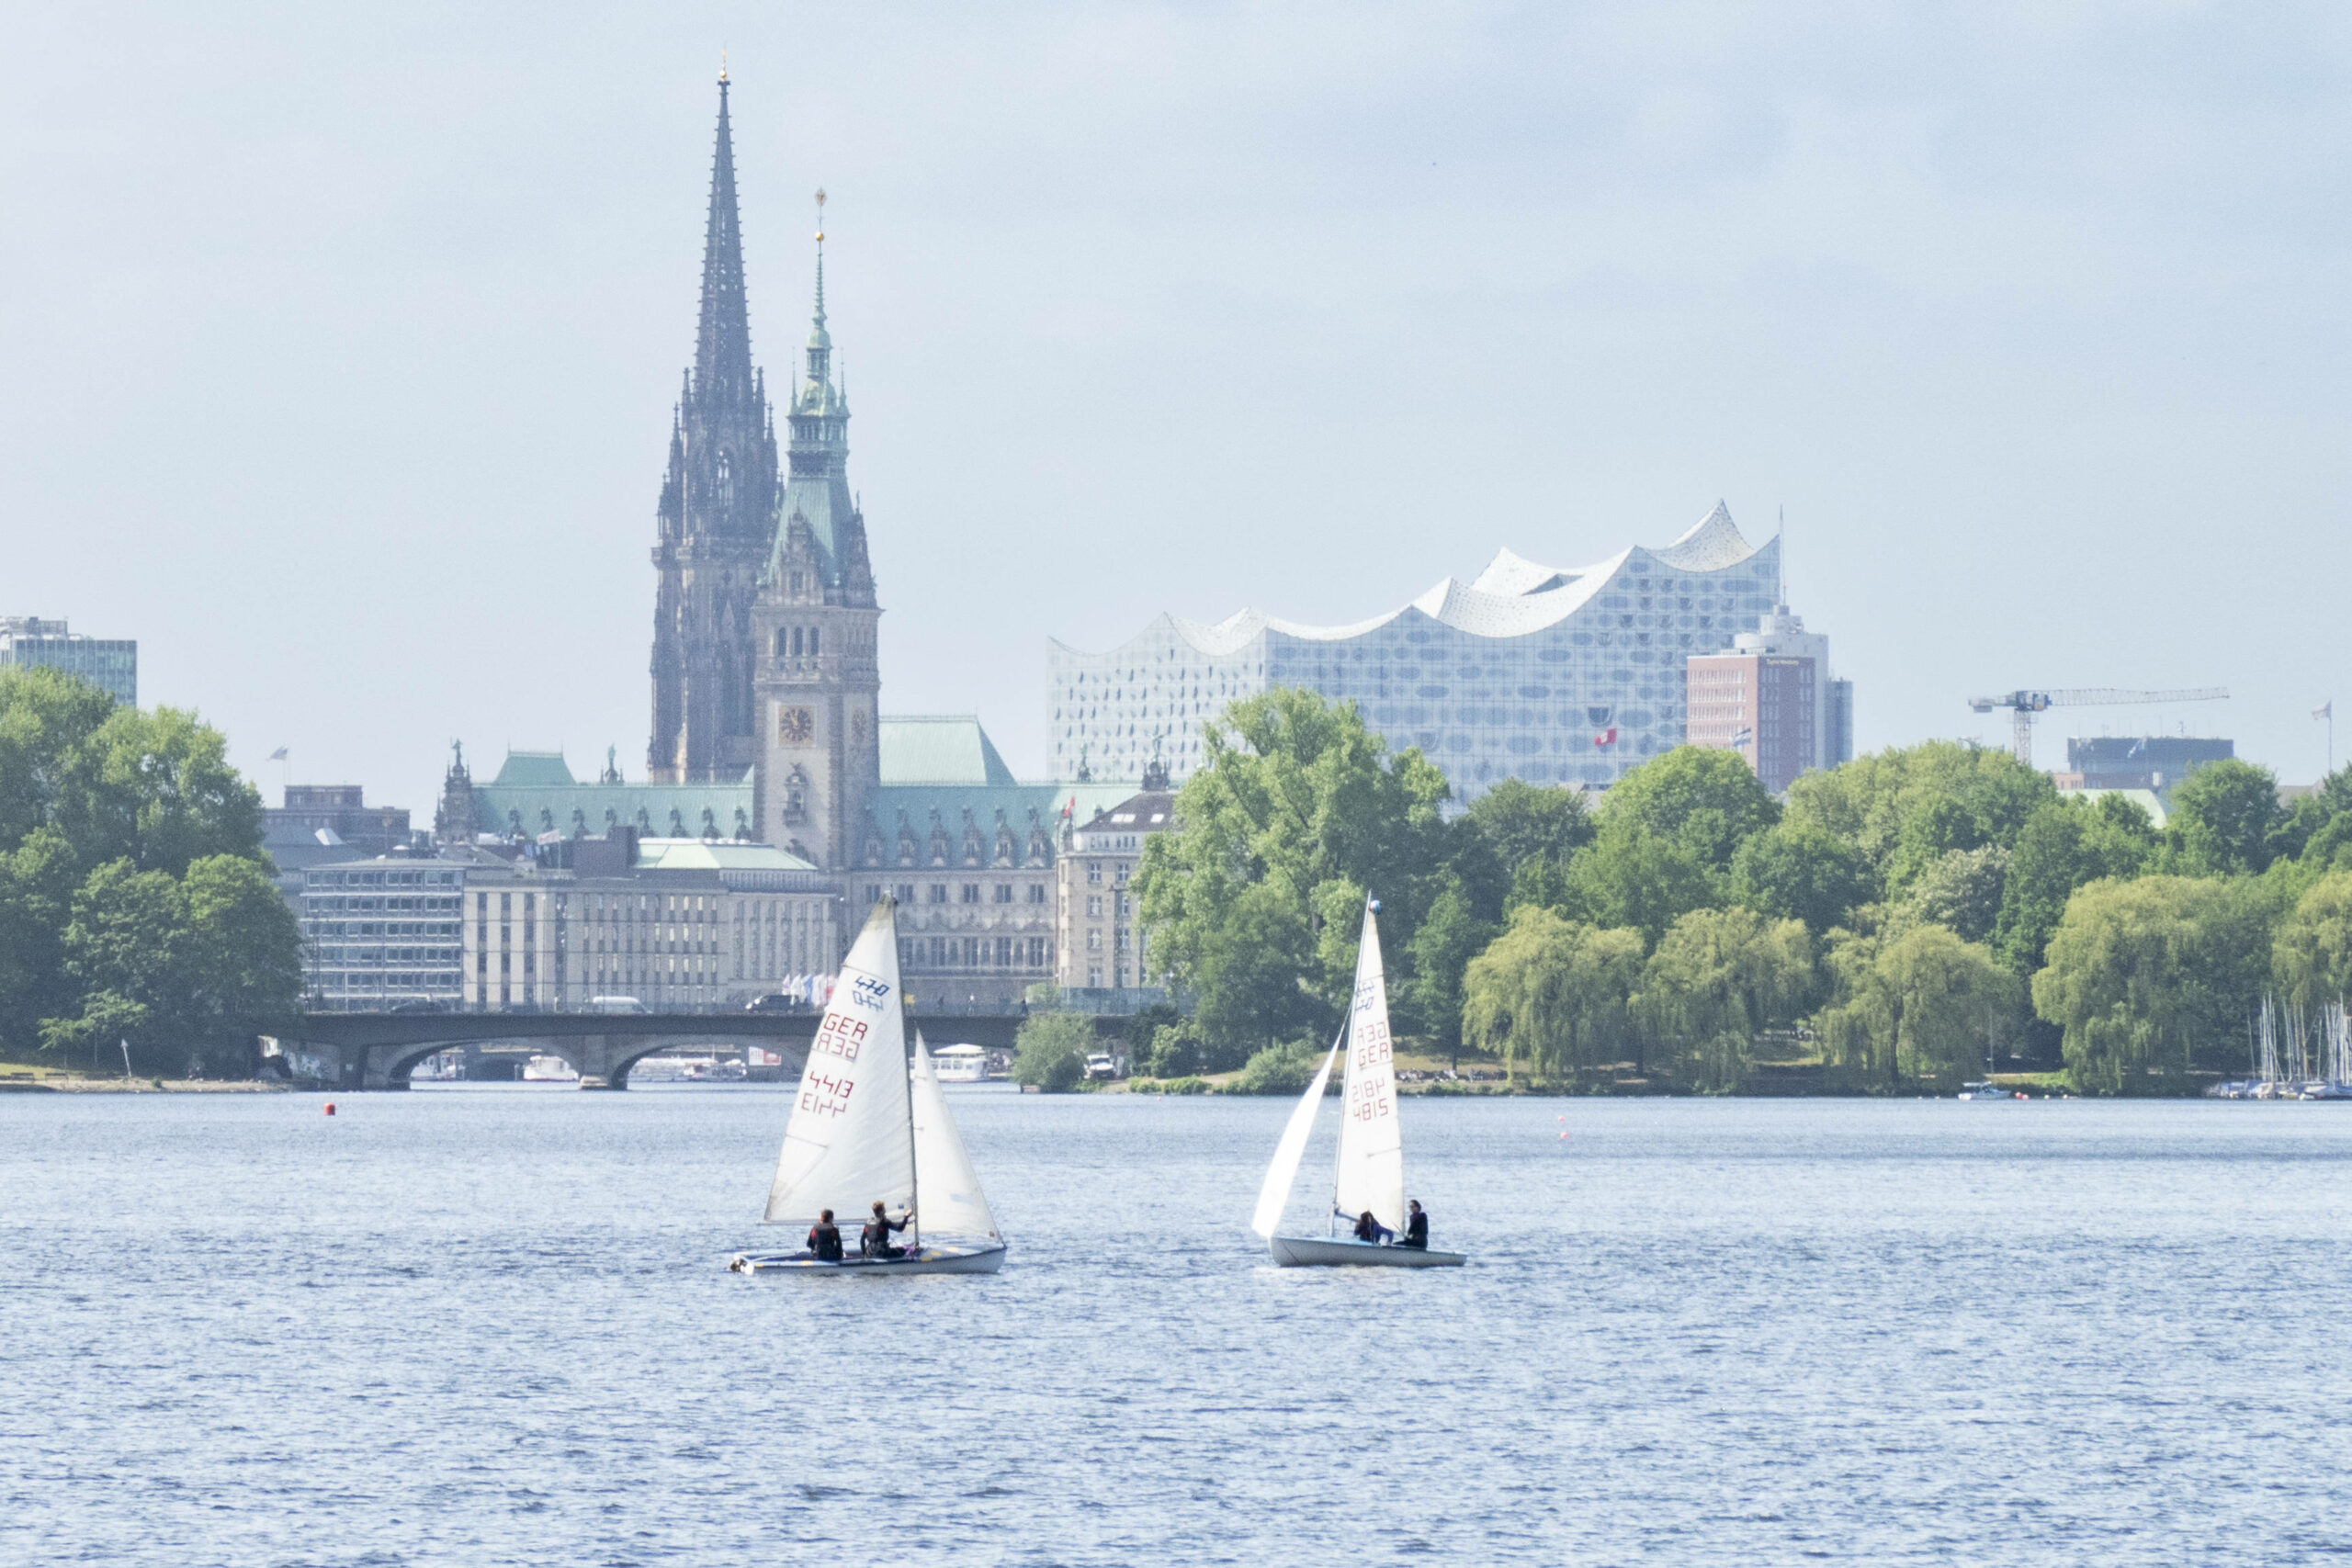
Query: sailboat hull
[[1331, 1252], [949, 1259]]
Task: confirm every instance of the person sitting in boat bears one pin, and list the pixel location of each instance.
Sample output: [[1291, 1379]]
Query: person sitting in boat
[[875, 1241], [1369, 1229], [1417, 1225], [825, 1239]]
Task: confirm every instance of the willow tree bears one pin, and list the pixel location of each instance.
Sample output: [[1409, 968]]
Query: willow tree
[[2312, 956], [2151, 979], [1917, 1007], [1718, 978], [1553, 994]]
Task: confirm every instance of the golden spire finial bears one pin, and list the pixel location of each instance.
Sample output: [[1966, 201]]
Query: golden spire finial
[[722, 65], [821, 215]]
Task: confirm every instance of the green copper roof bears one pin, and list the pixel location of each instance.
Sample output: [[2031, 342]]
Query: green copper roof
[[535, 770], [503, 807], [941, 749]]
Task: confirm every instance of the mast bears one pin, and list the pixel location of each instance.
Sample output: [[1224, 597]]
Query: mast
[[1339, 1145], [914, 1160]]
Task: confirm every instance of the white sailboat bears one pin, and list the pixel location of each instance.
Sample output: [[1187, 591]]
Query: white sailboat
[[869, 1125], [1370, 1172]]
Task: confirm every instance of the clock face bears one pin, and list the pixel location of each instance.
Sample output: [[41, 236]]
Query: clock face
[[795, 726]]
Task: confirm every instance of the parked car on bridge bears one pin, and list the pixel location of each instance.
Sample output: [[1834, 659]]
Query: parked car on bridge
[[616, 1004], [776, 1001]]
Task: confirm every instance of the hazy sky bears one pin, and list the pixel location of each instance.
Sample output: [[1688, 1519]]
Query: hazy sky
[[337, 345]]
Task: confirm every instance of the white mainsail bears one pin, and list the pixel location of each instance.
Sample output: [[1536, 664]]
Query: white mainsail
[[1274, 1196], [850, 1139], [952, 1202], [1372, 1148]]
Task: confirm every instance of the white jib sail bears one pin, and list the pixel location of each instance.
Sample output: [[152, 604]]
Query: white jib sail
[[953, 1203], [850, 1139], [1372, 1146], [1274, 1196]]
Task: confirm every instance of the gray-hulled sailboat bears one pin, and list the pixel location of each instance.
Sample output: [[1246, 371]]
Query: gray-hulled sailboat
[[1370, 1172], [870, 1125]]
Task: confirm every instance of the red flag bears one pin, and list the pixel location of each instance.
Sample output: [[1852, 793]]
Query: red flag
[[1607, 737]]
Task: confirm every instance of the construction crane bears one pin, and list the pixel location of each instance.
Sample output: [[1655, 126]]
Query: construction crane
[[2023, 705]]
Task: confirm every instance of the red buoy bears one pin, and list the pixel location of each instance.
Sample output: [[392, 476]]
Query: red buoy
[[330, 1107]]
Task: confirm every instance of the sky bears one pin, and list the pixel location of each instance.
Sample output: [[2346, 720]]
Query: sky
[[338, 344]]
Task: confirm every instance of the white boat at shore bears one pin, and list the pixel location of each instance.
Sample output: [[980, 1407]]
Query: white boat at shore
[[1370, 1172], [869, 1124], [960, 1064]]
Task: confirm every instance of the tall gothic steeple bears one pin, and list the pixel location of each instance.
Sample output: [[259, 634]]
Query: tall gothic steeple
[[716, 515]]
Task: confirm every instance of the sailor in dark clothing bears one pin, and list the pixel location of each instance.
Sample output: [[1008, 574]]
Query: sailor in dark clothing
[[825, 1239], [1417, 1225], [1369, 1229], [875, 1240]]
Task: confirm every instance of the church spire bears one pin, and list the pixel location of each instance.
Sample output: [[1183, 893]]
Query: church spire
[[723, 342], [818, 388]]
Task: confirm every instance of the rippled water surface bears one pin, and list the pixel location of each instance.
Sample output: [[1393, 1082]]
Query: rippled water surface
[[490, 1324]]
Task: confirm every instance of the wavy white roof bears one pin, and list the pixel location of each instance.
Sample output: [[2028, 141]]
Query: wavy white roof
[[1512, 597]]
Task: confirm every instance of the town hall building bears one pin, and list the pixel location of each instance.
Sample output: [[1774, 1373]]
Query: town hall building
[[766, 723]]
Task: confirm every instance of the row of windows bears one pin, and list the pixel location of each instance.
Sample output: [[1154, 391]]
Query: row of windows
[[963, 893], [1035, 952]]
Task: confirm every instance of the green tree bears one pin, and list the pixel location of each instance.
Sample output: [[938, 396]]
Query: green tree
[[2311, 956], [2222, 818], [2065, 844], [183, 970], [38, 880], [1634, 877], [1551, 994], [1917, 1008], [1800, 872], [47, 721], [134, 900], [1286, 1068], [1872, 801], [2151, 979], [1511, 826], [1962, 891], [1254, 902], [1704, 799], [1717, 979], [1451, 935], [1051, 1049]]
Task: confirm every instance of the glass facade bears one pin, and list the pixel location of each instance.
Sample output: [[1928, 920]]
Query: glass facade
[[109, 663], [1576, 679]]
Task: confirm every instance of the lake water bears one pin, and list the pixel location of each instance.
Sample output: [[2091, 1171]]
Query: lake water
[[492, 1326]]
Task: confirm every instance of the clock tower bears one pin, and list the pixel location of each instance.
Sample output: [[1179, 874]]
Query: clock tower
[[814, 625]]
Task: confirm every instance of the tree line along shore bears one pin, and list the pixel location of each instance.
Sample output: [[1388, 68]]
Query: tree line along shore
[[1891, 926], [1894, 925]]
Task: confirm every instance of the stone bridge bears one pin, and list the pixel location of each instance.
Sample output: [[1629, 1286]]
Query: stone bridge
[[377, 1050]]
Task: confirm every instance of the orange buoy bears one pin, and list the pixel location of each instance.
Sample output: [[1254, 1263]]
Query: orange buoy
[[330, 1107]]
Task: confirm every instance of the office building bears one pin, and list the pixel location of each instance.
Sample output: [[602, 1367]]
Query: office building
[[1772, 699], [381, 932], [109, 663]]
